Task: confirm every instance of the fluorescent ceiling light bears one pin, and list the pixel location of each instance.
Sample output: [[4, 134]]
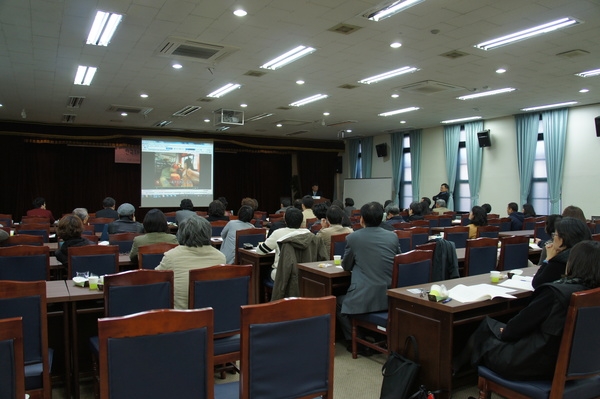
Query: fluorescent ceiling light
[[104, 26], [259, 116], [224, 90], [527, 33], [587, 74], [470, 118], [307, 100], [549, 106], [84, 75], [392, 8], [387, 75], [288, 57], [399, 111], [486, 93]]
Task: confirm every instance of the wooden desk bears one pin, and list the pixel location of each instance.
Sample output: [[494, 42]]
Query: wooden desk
[[125, 263], [525, 233], [58, 294], [315, 281], [261, 265], [441, 330]]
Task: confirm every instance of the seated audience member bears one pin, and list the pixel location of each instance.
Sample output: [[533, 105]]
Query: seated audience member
[[477, 217], [369, 256], [516, 217], [426, 204], [346, 219], [3, 235], [349, 206], [320, 212], [82, 214], [550, 228], [293, 220], [526, 348], [415, 211], [251, 202], [285, 204], [487, 208], [444, 193], [186, 209], [307, 212], [528, 211], [314, 191], [440, 207], [574, 212], [245, 214], [216, 211], [69, 229], [297, 204], [332, 225], [392, 215], [39, 210], [126, 222], [156, 230], [568, 232], [225, 204], [194, 252], [108, 210]]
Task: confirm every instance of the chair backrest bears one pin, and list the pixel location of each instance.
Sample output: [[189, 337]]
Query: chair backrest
[[464, 219], [225, 288], [99, 223], [157, 354], [596, 237], [514, 252], [28, 300], [12, 378], [401, 225], [505, 224], [488, 231], [171, 217], [445, 220], [276, 354], [252, 236], [6, 220], [136, 291], [36, 230], [93, 238], [529, 223], [411, 268], [539, 231], [149, 256], [338, 245], [123, 240], [420, 235], [88, 229], [25, 263], [428, 246], [458, 235], [315, 227], [23, 239], [579, 353], [35, 220], [310, 222], [217, 227], [481, 255], [97, 259], [419, 223], [404, 239]]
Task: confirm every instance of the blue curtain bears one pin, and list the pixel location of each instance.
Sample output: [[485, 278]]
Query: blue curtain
[[366, 151], [474, 159], [353, 147], [555, 135], [527, 132], [397, 152], [415, 156], [451, 140]]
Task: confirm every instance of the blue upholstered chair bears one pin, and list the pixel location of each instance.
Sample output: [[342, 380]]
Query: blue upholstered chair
[[35, 229], [96, 259], [420, 235], [577, 371], [445, 220], [100, 223], [157, 354], [338, 245], [25, 263], [23, 239], [529, 223], [404, 239], [410, 268], [505, 224], [225, 288], [458, 235], [123, 240], [12, 378], [481, 256], [539, 231], [514, 252], [488, 231], [28, 300], [149, 256], [250, 236], [217, 227], [287, 350]]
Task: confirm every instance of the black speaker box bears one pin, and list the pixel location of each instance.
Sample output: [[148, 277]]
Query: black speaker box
[[381, 150], [338, 164], [484, 139], [597, 126]]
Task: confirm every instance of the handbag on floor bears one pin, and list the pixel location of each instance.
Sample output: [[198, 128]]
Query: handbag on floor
[[400, 372]]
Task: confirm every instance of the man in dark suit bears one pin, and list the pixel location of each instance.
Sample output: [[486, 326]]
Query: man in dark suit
[[444, 193], [109, 209], [369, 256], [314, 191]]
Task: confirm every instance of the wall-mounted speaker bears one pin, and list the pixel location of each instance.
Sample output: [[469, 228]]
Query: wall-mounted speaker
[[338, 164], [597, 126], [484, 138], [381, 150]]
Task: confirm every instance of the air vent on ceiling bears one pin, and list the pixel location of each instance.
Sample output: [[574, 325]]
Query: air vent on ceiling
[[454, 54], [129, 109], [256, 74], [259, 116], [340, 123], [402, 129], [344, 29], [348, 86], [194, 50], [162, 123], [285, 108], [68, 118], [75, 102], [205, 100], [296, 132], [430, 87], [292, 122], [185, 111], [573, 53]]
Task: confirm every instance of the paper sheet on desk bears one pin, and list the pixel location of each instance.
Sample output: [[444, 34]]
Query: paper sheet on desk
[[521, 283]]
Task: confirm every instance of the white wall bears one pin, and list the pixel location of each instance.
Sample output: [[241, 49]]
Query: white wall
[[500, 176]]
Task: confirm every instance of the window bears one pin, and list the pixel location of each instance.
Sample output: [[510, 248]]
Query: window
[[406, 193], [538, 193], [462, 192]]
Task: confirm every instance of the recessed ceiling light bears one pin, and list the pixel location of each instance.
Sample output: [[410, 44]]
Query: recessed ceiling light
[[395, 95], [279, 125], [0, 105], [584, 90], [326, 113], [243, 105], [240, 13], [387, 75], [470, 118], [486, 93], [224, 90], [549, 106], [123, 113], [104, 26], [307, 100], [288, 57], [300, 82], [348, 130], [206, 120], [392, 8], [402, 122], [144, 95], [84, 75], [396, 45], [399, 111], [177, 66], [500, 70]]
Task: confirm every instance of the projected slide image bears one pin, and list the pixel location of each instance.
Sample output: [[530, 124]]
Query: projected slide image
[[176, 170]]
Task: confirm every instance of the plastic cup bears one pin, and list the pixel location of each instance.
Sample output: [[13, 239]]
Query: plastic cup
[[495, 276], [337, 260], [93, 283]]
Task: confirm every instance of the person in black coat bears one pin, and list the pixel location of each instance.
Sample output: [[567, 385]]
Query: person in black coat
[[443, 194], [526, 348]]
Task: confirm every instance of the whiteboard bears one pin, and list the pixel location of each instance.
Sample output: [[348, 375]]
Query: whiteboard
[[363, 191]]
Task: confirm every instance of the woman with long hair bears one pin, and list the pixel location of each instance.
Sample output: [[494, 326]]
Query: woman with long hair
[[477, 217]]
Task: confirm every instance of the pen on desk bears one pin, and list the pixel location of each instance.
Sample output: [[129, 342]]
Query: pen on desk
[[446, 300]]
